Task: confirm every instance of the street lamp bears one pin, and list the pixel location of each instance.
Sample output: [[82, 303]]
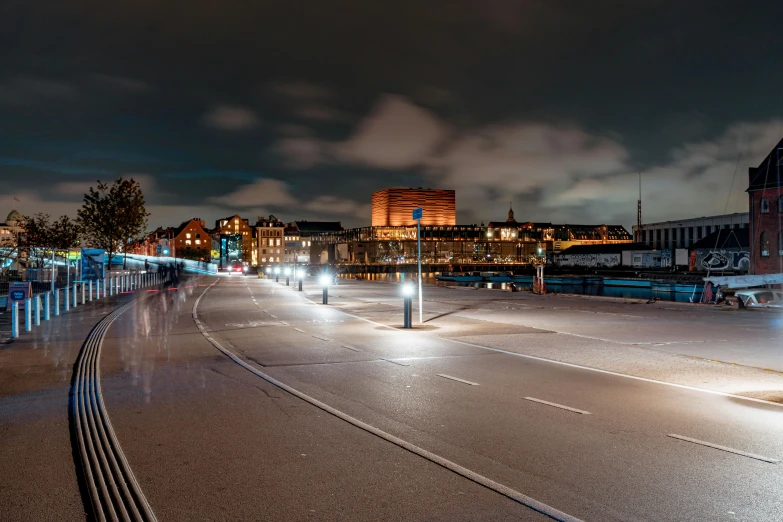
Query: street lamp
[[277, 274], [287, 274], [325, 279], [407, 295], [299, 275]]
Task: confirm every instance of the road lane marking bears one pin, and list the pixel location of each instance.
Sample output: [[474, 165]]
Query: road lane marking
[[563, 363], [283, 323], [273, 316], [394, 362], [350, 348], [724, 448], [457, 379], [322, 338], [298, 330], [583, 412], [488, 483]]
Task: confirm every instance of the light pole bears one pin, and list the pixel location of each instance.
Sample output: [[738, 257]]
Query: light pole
[[277, 274], [287, 275], [298, 275], [325, 279], [407, 294], [417, 215]]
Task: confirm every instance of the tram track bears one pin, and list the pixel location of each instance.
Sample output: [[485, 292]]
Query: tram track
[[112, 488]]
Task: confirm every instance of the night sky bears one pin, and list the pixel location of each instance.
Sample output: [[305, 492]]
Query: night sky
[[302, 109]]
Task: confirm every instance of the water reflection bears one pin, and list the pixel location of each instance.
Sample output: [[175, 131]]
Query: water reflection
[[620, 288]]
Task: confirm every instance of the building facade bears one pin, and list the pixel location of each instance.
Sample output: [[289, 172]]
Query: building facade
[[394, 207], [503, 243], [10, 230], [684, 233], [236, 240], [298, 238], [191, 240], [765, 197], [270, 241]]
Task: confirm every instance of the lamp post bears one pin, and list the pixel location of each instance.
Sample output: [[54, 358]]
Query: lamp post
[[407, 295], [287, 275], [299, 276], [325, 279], [277, 274]]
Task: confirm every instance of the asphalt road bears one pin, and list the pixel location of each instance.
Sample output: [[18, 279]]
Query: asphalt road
[[378, 423]]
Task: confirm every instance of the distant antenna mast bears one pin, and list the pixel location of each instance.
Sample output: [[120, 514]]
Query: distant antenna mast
[[639, 209]]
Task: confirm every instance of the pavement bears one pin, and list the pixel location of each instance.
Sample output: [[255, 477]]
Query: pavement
[[499, 407]]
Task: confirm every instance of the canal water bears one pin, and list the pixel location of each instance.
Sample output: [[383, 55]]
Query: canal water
[[599, 286]]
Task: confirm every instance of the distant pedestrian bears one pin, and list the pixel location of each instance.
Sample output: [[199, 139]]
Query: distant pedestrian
[[146, 265]]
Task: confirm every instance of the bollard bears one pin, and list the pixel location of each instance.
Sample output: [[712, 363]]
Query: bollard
[[300, 285], [37, 309], [407, 298], [27, 322], [57, 301], [15, 320], [326, 295], [74, 297], [112, 282], [286, 281], [66, 299], [89, 288], [47, 299], [83, 290]]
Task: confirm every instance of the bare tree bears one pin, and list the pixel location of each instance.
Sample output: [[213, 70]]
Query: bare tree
[[112, 214]]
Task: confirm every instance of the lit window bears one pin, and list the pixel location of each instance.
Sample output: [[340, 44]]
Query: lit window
[[236, 221], [764, 244], [198, 241], [263, 260], [187, 241], [187, 235], [278, 242]]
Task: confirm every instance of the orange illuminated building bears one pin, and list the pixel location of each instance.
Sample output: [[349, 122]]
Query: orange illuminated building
[[394, 207]]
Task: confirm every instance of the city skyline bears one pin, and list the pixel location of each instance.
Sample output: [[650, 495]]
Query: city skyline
[[355, 107]]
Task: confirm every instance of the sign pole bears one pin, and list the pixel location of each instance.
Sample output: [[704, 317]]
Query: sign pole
[[417, 214]]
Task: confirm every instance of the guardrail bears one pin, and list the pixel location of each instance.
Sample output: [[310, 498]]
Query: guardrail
[[44, 305]]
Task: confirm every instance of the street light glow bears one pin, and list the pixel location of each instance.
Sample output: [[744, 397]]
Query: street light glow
[[268, 270], [277, 270], [325, 279], [407, 289], [287, 271]]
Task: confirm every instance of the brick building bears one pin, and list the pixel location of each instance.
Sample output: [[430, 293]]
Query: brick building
[[191, 240], [394, 207], [765, 196]]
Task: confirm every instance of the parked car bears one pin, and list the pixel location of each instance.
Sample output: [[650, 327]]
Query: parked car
[[760, 298]]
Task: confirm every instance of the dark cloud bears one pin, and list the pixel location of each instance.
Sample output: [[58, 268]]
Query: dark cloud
[[556, 104]]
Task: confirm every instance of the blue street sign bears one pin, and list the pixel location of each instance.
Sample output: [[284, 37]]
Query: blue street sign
[[417, 212]]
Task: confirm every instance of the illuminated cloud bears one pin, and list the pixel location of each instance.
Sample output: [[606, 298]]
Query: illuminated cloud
[[230, 118]]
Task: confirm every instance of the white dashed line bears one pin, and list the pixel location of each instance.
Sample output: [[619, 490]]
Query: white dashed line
[[457, 379], [298, 330], [396, 362], [725, 448], [351, 348], [322, 338], [582, 412]]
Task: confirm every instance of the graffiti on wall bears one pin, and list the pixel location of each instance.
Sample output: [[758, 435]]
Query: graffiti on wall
[[723, 259]]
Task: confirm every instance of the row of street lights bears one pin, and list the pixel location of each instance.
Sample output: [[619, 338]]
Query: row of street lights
[[325, 279]]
